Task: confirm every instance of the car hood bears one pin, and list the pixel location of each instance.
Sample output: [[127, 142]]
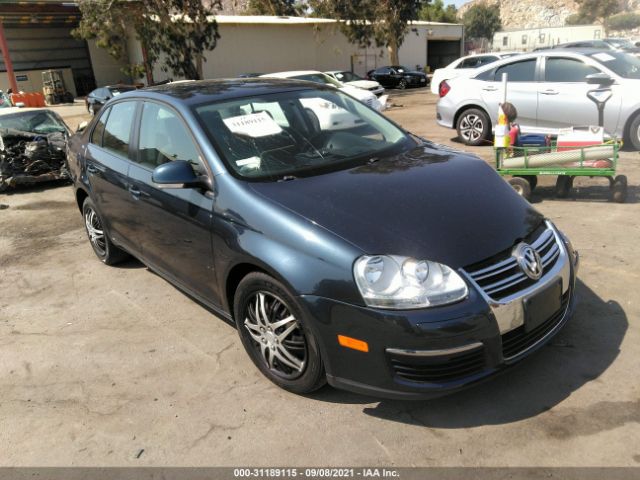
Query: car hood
[[429, 203], [356, 92], [364, 84]]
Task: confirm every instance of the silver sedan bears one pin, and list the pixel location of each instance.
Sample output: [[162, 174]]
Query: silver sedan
[[549, 90]]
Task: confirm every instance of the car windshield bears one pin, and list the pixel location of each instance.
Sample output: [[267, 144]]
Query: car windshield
[[35, 121], [300, 133], [347, 76], [318, 78], [623, 64]]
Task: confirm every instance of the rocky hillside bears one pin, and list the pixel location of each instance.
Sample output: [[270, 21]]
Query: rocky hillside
[[518, 14]]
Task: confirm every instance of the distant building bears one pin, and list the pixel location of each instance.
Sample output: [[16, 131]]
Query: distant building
[[263, 44], [531, 38]]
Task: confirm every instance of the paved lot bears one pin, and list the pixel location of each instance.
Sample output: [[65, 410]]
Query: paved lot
[[99, 363]]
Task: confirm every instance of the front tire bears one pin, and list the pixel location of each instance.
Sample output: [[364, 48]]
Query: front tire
[[402, 84], [474, 127], [275, 335], [102, 245]]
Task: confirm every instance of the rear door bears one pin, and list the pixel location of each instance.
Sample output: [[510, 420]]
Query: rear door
[[522, 91], [107, 166], [173, 224], [562, 97]]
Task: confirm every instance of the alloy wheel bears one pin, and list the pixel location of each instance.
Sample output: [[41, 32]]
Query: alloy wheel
[[276, 334], [95, 231], [471, 127]]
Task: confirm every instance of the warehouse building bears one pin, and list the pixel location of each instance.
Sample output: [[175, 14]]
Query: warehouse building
[[529, 39], [37, 36], [269, 44]]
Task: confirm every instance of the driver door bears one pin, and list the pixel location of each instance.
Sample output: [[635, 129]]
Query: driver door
[[173, 225], [562, 97]]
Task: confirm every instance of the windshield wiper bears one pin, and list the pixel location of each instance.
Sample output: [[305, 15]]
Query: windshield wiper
[[286, 178]]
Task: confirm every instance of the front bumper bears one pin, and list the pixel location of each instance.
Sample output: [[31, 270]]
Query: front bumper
[[423, 354]]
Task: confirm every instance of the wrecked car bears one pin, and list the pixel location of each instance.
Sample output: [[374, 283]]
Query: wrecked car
[[32, 146]]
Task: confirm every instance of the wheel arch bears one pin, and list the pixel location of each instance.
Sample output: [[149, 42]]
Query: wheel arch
[[239, 271], [81, 195]]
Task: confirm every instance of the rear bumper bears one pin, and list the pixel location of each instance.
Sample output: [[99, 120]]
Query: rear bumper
[[424, 354]]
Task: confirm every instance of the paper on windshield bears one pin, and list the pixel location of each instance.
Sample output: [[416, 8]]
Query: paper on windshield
[[251, 162], [253, 125], [603, 57]]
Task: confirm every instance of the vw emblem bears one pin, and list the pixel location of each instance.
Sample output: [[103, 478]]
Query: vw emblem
[[528, 260]]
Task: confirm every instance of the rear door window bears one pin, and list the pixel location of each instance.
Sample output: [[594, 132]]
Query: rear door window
[[523, 71], [117, 132]]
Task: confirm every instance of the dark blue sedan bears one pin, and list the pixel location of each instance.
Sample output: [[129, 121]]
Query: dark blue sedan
[[343, 248]]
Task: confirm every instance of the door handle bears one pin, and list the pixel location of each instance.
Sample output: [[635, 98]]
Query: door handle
[[490, 89], [135, 191], [549, 92], [91, 168]]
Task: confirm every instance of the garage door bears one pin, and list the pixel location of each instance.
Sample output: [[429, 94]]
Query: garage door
[[441, 53]]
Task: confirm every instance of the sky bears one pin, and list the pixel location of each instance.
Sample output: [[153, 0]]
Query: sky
[[457, 3]]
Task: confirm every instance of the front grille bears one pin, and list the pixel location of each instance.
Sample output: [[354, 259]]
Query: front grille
[[501, 276], [518, 340], [438, 369]]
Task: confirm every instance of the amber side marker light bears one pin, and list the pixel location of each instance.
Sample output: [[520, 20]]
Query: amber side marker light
[[353, 343]]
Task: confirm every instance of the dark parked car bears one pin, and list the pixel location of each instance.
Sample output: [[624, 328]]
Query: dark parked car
[[98, 97], [398, 77], [366, 257]]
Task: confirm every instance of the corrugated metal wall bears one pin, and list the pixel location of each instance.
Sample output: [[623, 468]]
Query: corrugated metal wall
[[43, 48]]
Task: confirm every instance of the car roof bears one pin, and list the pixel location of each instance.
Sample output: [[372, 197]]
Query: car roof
[[575, 52], [205, 91], [293, 73]]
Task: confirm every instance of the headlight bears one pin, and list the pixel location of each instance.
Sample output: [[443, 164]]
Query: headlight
[[396, 282]]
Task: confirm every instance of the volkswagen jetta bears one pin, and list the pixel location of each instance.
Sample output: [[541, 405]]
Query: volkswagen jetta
[[366, 257]]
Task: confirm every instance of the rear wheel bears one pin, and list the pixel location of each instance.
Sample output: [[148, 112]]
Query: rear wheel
[[619, 189], [473, 126], [103, 247], [634, 132], [275, 335], [402, 84], [564, 184], [521, 186]]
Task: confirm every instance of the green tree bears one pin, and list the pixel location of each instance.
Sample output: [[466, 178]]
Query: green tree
[[436, 12], [482, 21], [597, 11], [287, 8], [177, 32], [366, 22]]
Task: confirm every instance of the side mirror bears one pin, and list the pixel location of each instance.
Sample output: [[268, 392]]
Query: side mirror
[[601, 79], [81, 128], [176, 174]]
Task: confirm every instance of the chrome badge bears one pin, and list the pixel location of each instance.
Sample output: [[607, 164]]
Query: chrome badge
[[528, 260]]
